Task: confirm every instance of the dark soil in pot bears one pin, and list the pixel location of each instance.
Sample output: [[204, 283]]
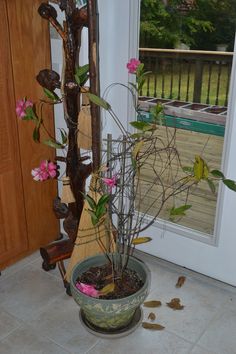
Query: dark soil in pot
[[125, 285]]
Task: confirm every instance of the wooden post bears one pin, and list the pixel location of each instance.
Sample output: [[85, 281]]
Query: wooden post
[[198, 81], [94, 81], [78, 172]]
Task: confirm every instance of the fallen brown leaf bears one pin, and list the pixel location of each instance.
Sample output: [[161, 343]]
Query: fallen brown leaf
[[180, 282], [175, 304], [152, 316], [152, 303], [154, 326]]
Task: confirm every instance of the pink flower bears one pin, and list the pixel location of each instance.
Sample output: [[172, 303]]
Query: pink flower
[[45, 171], [132, 65], [110, 182], [21, 106], [52, 169], [36, 174], [87, 289]]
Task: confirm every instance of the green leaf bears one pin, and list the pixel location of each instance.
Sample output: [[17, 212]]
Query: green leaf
[[156, 110], [94, 218], [217, 173], [200, 168], [36, 135], [141, 82], [51, 95], [81, 70], [63, 135], [90, 201], [98, 101], [139, 69], [180, 210], [81, 74], [137, 147], [230, 184], [211, 185], [83, 79], [147, 73], [136, 135], [54, 144], [30, 115], [77, 79], [100, 211], [104, 199], [141, 125], [134, 163]]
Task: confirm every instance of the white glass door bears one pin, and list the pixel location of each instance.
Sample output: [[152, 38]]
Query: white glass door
[[214, 256]]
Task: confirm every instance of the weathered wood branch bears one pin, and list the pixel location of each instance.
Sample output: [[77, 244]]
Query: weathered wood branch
[[77, 171], [49, 13], [94, 81]]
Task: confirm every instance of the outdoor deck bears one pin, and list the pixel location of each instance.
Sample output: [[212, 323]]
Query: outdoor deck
[[189, 143], [189, 75]]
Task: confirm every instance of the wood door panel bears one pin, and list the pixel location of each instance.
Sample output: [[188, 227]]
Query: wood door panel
[[26, 217], [30, 48], [13, 234]]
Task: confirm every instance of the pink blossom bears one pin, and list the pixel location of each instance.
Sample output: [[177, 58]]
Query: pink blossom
[[45, 171], [21, 106], [110, 182], [36, 174], [52, 169], [87, 289], [132, 65]]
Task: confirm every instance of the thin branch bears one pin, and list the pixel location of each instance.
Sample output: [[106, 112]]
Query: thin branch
[[57, 27]]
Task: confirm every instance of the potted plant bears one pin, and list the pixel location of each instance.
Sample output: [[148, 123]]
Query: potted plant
[[110, 287]]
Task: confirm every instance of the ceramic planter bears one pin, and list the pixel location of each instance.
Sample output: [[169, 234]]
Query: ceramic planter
[[111, 314]]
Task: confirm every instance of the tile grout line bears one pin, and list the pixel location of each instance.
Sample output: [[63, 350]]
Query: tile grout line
[[4, 277], [59, 345], [22, 325], [12, 331], [217, 315], [93, 346], [39, 312]]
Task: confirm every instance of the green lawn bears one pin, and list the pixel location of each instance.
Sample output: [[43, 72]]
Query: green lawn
[[183, 89]]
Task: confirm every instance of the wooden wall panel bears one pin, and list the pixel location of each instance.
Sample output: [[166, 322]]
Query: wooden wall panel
[[30, 50], [13, 232]]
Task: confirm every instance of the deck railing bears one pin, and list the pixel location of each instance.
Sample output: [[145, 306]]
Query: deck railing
[[188, 75]]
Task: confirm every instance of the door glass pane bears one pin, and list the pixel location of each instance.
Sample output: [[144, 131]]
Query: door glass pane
[[187, 45]]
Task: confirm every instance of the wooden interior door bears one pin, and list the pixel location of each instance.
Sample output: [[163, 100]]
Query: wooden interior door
[[13, 235], [26, 217]]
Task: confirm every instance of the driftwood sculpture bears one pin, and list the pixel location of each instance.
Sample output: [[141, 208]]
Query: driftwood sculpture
[[76, 169]]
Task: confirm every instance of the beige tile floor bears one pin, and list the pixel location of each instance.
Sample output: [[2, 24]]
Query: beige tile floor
[[37, 317]]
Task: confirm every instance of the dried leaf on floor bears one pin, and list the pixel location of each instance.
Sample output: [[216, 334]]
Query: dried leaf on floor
[[152, 303], [152, 316], [180, 282], [155, 326], [175, 304]]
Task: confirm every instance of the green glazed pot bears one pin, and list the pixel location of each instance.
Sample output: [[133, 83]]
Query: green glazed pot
[[110, 314]]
